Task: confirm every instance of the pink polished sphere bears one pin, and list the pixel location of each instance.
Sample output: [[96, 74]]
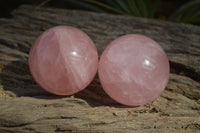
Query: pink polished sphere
[[133, 70], [63, 60]]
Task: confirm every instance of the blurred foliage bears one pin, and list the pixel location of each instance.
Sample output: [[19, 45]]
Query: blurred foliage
[[186, 11], [140, 8]]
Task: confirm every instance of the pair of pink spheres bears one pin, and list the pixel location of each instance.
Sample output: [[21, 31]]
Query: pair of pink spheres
[[133, 69]]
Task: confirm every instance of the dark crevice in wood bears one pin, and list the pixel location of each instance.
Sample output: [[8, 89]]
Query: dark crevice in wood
[[181, 69], [10, 125], [15, 45], [179, 51]]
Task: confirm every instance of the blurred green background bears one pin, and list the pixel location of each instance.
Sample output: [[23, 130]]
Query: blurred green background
[[181, 11]]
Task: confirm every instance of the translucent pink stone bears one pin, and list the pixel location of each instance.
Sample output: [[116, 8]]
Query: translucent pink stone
[[63, 60], [133, 70]]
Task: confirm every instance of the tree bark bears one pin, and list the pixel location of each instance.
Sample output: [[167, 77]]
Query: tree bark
[[26, 108]]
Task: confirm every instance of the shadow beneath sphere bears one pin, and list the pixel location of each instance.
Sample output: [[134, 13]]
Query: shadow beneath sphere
[[17, 81], [96, 96]]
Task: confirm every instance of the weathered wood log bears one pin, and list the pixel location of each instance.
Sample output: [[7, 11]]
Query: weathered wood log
[[25, 107]]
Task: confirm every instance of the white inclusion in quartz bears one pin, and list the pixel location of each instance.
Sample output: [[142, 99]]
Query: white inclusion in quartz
[[76, 56], [74, 53], [149, 65], [147, 62]]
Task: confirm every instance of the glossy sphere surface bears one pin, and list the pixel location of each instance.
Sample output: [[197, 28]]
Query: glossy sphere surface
[[63, 60], [133, 70]]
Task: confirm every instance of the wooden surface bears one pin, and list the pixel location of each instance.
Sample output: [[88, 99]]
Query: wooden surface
[[26, 108]]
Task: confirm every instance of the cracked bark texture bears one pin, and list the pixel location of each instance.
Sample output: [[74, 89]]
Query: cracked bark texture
[[26, 108]]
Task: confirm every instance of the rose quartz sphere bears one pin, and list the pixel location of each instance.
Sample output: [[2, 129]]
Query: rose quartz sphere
[[133, 70], [63, 60]]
